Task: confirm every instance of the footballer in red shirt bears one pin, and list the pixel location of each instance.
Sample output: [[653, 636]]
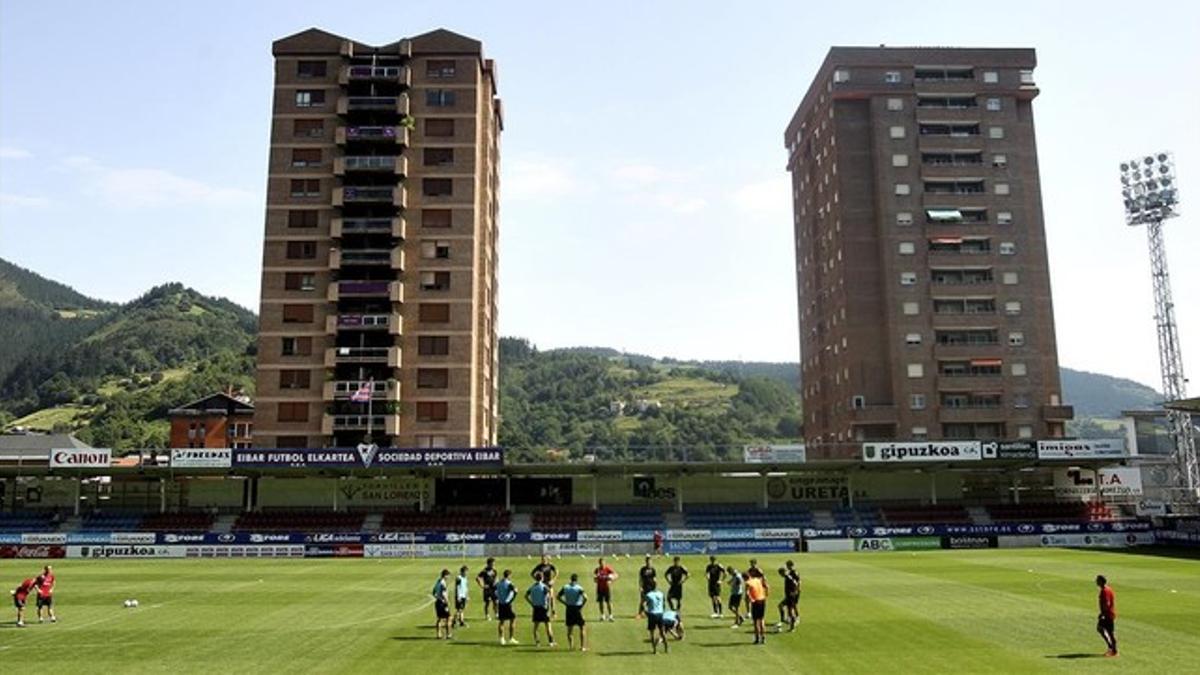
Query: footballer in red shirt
[[45, 594], [1106, 624], [20, 594], [604, 575]]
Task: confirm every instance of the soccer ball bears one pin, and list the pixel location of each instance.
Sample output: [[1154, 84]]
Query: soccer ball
[[129, 603], [135, 603]]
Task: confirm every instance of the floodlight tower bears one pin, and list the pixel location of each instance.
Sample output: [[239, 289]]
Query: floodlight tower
[[1151, 196]]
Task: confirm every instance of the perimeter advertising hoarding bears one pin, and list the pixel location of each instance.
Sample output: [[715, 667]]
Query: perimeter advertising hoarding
[[1108, 482], [774, 454], [1096, 448], [363, 457], [1009, 450], [201, 458], [81, 458], [830, 488], [898, 544], [932, 451]]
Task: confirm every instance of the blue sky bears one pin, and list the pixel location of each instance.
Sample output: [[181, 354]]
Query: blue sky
[[644, 200]]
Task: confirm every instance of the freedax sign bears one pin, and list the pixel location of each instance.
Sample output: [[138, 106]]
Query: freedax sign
[[1104, 448], [933, 451], [201, 458], [81, 458]]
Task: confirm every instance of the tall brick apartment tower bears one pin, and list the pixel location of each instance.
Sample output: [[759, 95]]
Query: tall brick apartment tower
[[379, 263], [924, 292]]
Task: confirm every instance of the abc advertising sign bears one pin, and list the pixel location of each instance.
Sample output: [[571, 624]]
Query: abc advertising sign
[[81, 458], [201, 458], [932, 451], [1103, 448], [364, 457]]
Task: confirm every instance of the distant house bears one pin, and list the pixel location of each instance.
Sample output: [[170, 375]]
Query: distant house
[[215, 421], [22, 447]]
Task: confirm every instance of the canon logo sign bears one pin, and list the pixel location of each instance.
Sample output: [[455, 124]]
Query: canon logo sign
[[81, 458]]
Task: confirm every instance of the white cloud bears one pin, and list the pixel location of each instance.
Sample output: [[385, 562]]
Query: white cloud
[[640, 174], [536, 178], [680, 203], [149, 188], [9, 152], [767, 197], [9, 199]]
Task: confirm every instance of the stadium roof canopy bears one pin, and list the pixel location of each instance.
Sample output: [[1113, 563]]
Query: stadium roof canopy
[[1191, 405]]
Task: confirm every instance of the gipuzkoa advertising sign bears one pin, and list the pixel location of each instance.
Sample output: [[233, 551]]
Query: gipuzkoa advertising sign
[[931, 451]]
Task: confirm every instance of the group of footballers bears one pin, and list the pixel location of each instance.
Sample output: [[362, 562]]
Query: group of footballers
[[43, 586], [663, 612]]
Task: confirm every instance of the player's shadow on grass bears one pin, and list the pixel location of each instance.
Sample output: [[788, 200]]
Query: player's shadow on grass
[[628, 653], [1075, 655]]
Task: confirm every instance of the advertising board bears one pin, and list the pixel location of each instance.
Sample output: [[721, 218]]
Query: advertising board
[[1084, 448], [930, 451], [81, 458], [774, 454], [201, 458]]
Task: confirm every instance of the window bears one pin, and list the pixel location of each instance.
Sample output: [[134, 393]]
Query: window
[[439, 128], [916, 402], [433, 378], [291, 442], [435, 217], [895, 104], [428, 442], [435, 281], [432, 249], [1024, 431], [302, 218], [907, 248], [437, 187], [1009, 279], [433, 345], [910, 309], [999, 161], [295, 346], [306, 187], [1007, 248], [1026, 77], [439, 69], [306, 157], [904, 218], [439, 156], [301, 250], [908, 278], [1012, 307], [995, 132], [916, 370], [297, 313], [840, 76], [993, 104], [1018, 370], [912, 339], [1016, 339], [439, 98], [1004, 218], [310, 98], [308, 128], [310, 69], [903, 189], [294, 379], [891, 77], [991, 76], [896, 132], [1020, 400], [299, 281], [1002, 189], [432, 411], [293, 412], [899, 160], [920, 433], [434, 313]]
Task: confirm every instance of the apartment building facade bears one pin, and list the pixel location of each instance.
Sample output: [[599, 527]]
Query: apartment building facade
[[380, 248], [922, 274]]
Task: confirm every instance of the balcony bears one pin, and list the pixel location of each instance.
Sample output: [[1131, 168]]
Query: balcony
[[394, 195], [385, 390], [387, 425], [393, 74], [339, 227], [369, 322], [389, 135], [1058, 413], [371, 163], [353, 104], [388, 355], [980, 415]]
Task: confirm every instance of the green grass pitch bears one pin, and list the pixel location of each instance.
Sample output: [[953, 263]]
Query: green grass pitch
[[973, 611]]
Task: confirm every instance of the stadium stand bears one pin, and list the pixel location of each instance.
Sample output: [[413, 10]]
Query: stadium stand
[[737, 516], [28, 521], [563, 518], [449, 520], [924, 515], [1048, 512], [299, 521], [630, 518], [177, 522], [864, 515], [111, 521]]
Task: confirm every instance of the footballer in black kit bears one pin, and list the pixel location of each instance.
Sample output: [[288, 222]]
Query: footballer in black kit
[[714, 573], [788, 611], [676, 574], [646, 577], [487, 581], [549, 573]]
